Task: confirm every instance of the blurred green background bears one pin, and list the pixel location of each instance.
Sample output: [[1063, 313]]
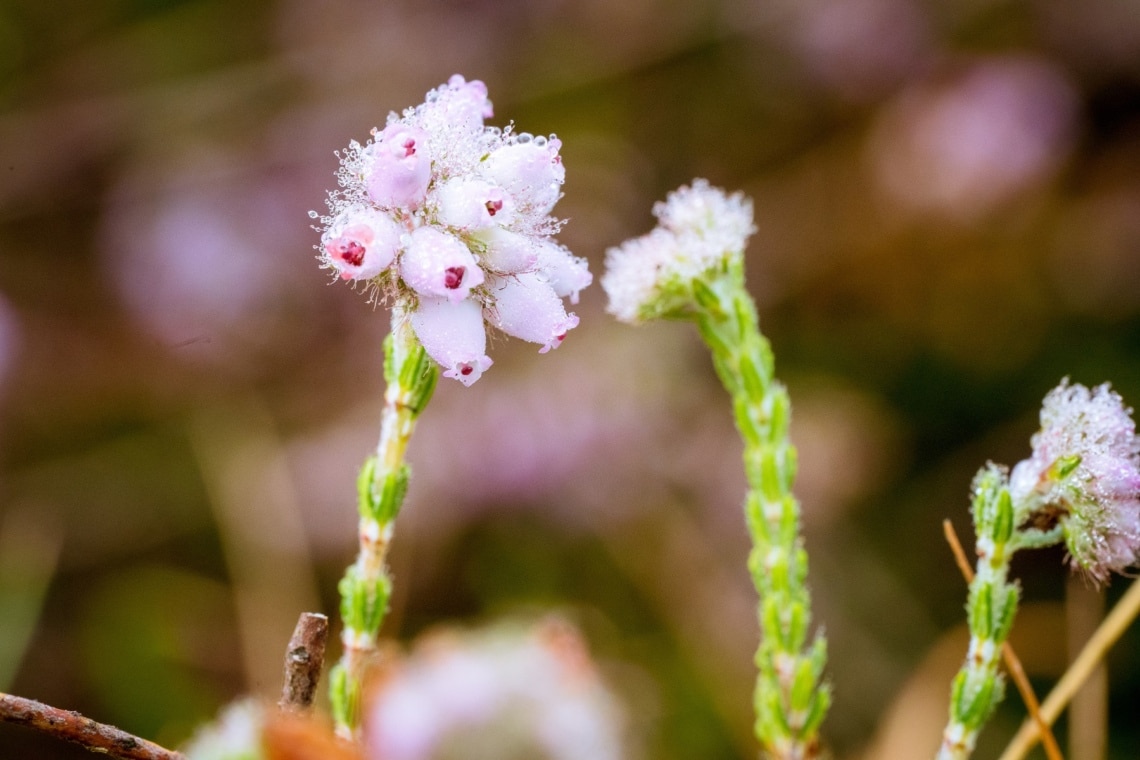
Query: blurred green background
[[948, 203]]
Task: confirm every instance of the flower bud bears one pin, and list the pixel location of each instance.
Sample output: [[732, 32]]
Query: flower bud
[[361, 243], [508, 252], [440, 265], [526, 307], [459, 102], [567, 274], [400, 167], [453, 335], [530, 169], [472, 204]]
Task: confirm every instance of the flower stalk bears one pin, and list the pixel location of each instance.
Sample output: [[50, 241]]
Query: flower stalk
[[692, 267], [367, 586], [791, 698], [979, 686]]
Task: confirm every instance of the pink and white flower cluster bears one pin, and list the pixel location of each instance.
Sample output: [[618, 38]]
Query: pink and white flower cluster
[[1085, 472], [452, 221]]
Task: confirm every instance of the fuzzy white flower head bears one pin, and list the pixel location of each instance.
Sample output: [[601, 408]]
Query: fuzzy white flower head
[[701, 229], [434, 205], [1085, 472]]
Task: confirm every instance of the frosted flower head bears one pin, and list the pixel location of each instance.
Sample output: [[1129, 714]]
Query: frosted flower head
[[434, 205], [1085, 473], [700, 230], [503, 692]]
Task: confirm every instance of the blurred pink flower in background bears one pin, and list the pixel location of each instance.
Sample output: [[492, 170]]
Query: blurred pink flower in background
[[506, 691], [962, 145]]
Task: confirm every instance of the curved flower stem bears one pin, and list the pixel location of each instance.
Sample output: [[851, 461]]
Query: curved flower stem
[[366, 587], [791, 698]]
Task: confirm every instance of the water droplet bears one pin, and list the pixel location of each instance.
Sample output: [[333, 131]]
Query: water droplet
[[432, 96], [540, 141], [313, 214], [524, 137]]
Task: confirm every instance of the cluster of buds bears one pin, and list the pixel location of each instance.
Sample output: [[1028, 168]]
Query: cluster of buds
[[450, 221]]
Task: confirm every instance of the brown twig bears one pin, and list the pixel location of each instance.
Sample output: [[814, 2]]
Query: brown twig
[[1012, 663], [72, 727], [304, 660]]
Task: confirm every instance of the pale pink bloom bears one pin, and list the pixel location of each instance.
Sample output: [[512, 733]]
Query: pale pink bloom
[[525, 306], [361, 243], [438, 264], [530, 169], [1085, 472], [399, 170], [567, 274], [454, 335], [473, 204]]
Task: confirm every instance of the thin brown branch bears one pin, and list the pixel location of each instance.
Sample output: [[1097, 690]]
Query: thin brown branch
[[1012, 663], [304, 660], [72, 727]]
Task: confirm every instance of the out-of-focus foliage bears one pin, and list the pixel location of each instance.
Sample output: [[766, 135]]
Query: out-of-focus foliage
[[948, 202]]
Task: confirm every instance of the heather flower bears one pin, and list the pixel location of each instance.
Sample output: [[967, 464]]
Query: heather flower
[[435, 204], [1085, 473], [453, 335], [701, 230], [361, 243], [398, 169], [437, 264], [527, 307]]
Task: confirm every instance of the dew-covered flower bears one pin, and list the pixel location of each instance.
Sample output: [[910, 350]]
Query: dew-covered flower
[[527, 307], [454, 336], [361, 243], [1084, 473], [701, 229], [435, 206], [506, 691]]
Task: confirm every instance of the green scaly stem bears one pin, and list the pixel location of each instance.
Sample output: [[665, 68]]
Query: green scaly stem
[[791, 697], [979, 685], [366, 587]]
